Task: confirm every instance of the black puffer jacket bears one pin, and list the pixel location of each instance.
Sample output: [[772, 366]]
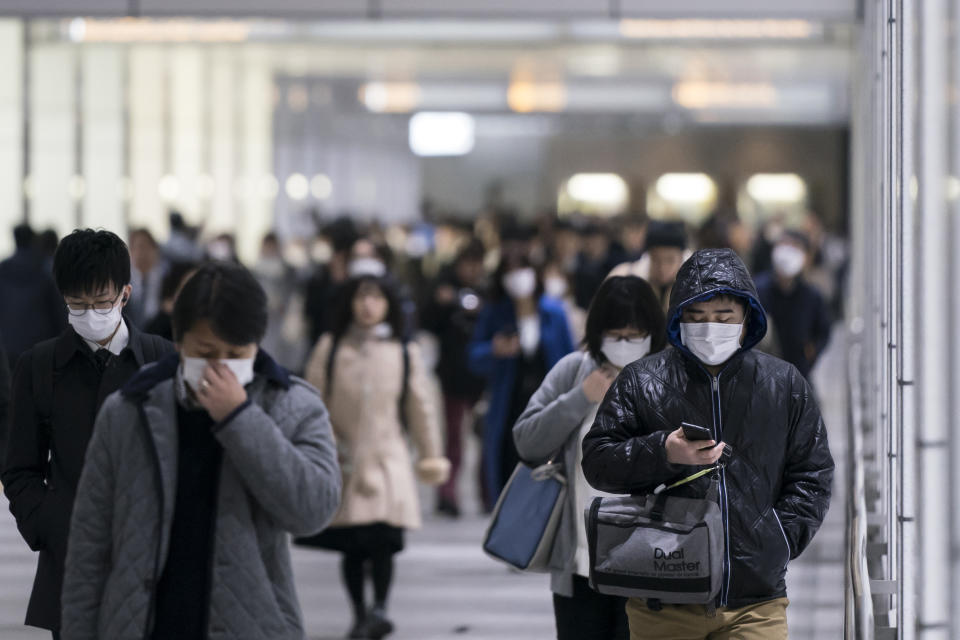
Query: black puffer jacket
[[775, 490]]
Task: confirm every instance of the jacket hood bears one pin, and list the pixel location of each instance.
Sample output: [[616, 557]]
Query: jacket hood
[[152, 375], [708, 273]]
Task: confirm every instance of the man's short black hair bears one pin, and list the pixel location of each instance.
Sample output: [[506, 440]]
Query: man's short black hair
[[23, 236], [227, 296], [624, 302], [666, 234], [88, 261]]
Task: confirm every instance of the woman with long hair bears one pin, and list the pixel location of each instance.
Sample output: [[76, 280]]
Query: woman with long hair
[[624, 323], [375, 384]]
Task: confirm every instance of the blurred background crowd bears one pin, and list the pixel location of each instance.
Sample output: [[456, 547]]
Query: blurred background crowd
[[455, 278]]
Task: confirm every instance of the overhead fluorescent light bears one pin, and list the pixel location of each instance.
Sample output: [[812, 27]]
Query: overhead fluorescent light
[[141, 30], [599, 192], [696, 94], [390, 97], [529, 96], [698, 29], [686, 188], [787, 188], [434, 133], [435, 30], [297, 187]]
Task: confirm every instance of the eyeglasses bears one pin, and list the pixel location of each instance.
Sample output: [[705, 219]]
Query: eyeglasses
[[102, 308]]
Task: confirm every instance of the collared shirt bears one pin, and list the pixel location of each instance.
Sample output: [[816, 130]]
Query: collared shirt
[[117, 343]]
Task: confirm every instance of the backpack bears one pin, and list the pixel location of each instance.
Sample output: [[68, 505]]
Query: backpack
[[402, 403]]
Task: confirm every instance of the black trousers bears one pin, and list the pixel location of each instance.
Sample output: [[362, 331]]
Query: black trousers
[[589, 615]]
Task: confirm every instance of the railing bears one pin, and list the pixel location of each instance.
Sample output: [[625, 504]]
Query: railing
[[859, 623]]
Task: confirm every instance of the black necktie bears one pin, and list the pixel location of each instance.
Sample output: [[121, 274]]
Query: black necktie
[[103, 357]]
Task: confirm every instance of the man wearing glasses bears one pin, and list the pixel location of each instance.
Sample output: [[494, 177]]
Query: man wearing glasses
[[58, 387]]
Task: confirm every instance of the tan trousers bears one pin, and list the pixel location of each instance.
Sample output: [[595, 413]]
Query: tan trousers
[[763, 621]]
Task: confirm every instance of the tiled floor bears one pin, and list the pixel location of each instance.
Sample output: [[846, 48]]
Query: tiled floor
[[447, 588]]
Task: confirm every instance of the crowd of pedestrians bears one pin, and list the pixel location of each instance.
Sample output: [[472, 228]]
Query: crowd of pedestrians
[[173, 416]]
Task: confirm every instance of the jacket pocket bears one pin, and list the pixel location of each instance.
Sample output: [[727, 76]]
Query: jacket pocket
[[53, 523], [771, 550], [786, 540]]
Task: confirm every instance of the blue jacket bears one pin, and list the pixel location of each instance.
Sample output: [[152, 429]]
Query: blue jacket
[[500, 373]]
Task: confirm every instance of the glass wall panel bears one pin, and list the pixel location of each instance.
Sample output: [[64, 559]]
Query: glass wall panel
[[102, 119], [146, 130], [11, 131], [53, 137]]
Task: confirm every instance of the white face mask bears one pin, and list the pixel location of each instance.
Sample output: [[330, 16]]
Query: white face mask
[[556, 287], [620, 353], [220, 250], [712, 343], [366, 267], [788, 260], [192, 370], [520, 283], [95, 327]]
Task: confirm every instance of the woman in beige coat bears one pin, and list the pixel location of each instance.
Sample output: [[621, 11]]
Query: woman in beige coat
[[376, 389]]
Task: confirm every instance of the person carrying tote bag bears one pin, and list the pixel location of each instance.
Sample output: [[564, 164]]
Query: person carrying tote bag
[[624, 323]]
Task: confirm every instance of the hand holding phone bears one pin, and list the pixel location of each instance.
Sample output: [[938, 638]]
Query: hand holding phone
[[695, 432], [699, 450]]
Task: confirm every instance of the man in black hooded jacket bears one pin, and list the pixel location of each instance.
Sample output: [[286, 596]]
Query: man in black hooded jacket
[[776, 469]]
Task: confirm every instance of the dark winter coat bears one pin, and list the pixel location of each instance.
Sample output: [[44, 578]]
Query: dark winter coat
[[801, 317], [5, 384], [41, 493], [775, 490], [32, 308], [453, 324]]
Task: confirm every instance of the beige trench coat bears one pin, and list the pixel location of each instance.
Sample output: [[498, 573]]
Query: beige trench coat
[[375, 459]]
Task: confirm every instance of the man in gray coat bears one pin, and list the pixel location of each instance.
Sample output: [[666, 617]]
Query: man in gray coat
[[197, 470]]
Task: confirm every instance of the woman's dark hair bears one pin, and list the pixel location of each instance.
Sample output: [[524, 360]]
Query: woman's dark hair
[[227, 296], [621, 302], [87, 261], [174, 278], [343, 319], [510, 262]]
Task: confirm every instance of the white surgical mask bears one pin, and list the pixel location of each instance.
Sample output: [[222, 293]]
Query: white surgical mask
[[712, 343], [788, 260], [620, 353], [520, 283], [220, 250], [366, 267], [556, 287], [192, 370], [94, 326]]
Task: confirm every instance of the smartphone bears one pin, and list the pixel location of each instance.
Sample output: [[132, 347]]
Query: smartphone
[[695, 432]]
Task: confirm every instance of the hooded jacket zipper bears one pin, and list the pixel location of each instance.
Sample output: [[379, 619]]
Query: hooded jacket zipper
[[717, 412]]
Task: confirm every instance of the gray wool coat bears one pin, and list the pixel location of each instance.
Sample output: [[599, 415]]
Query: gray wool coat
[[279, 475], [551, 424]]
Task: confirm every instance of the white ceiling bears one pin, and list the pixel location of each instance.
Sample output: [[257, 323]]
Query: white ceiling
[[832, 10]]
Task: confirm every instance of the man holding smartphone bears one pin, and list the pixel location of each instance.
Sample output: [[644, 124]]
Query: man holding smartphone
[[766, 435]]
